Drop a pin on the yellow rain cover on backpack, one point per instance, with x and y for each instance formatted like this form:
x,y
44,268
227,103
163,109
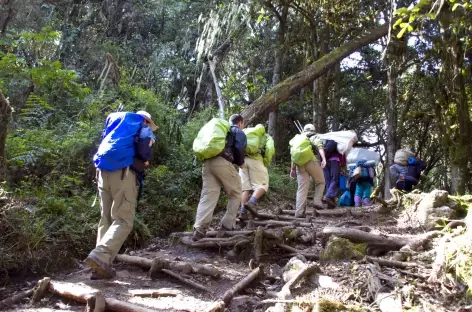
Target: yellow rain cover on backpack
x,y
269,149
211,139
301,151
254,136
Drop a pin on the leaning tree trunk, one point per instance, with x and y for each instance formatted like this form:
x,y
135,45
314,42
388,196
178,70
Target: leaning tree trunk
x,y
278,61
293,84
5,117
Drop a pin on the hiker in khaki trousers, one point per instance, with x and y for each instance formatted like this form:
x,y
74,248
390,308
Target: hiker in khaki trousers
x,y
220,171
118,188
312,169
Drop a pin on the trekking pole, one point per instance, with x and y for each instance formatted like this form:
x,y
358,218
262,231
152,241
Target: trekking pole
x,y
296,125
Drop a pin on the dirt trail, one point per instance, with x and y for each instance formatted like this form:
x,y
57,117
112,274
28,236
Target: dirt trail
x,y
343,281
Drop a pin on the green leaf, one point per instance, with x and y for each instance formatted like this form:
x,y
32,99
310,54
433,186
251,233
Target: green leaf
x,y
410,28
259,19
400,34
401,11
454,7
398,22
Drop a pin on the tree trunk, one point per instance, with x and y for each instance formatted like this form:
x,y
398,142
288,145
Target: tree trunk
x,y
336,104
391,114
463,119
5,117
278,61
282,91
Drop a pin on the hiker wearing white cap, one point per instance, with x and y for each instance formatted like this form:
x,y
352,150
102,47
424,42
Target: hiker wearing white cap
x,y
121,158
310,166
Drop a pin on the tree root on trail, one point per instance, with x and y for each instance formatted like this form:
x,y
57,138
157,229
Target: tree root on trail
x,y
354,212
392,263
220,305
163,263
92,297
381,294
295,251
372,240
185,281
285,293
154,293
13,299
216,242
286,223
258,239
271,234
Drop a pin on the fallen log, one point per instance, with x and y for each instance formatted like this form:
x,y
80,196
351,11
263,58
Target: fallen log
x,y
220,305
185,281
381,294
15,298
392,263
216,242
179,266
40,289
92,297
154,293
372,240
120,306
295,251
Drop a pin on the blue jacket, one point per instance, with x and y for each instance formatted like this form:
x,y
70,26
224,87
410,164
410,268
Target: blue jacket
x,y
235,149
409,172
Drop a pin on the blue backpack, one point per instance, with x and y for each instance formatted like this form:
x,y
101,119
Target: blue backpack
x,y
116,151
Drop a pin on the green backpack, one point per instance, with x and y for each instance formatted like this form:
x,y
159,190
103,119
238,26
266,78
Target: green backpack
x,y
211,139
254,136
301,150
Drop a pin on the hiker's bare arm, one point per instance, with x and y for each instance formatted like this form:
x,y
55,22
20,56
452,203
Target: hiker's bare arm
x,y
323,157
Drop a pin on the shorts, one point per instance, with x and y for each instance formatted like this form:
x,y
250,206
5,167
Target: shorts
x,y
254,176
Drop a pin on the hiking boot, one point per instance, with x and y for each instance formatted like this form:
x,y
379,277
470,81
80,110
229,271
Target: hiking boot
x,y
330,202
222,230
197,235
94,275
251,208
104,270
243,215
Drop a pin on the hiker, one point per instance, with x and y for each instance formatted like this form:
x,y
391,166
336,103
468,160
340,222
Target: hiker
x,y
406,170
121,158
363,175
306,164
219,171
254,176
332,172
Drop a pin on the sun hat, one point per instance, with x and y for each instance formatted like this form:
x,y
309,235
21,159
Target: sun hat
x,y
147,116
309,128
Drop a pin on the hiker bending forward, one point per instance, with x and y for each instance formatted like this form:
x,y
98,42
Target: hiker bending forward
x,y
217,172
254,176
311,169
120,161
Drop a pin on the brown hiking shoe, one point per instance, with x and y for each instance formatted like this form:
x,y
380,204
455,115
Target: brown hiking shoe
x,y
104,270
330,202
197,235
94,275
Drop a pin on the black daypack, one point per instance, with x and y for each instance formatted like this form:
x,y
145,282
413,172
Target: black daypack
x,y
330,147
